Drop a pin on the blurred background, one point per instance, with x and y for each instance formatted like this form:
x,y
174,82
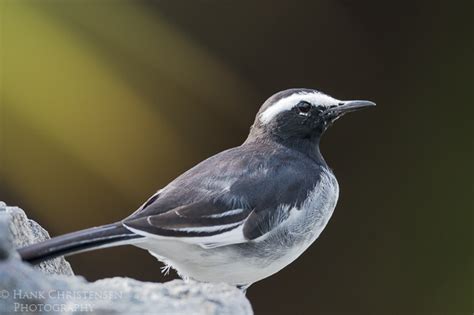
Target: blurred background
x,y
104,102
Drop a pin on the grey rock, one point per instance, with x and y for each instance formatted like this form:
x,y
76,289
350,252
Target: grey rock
x,y
25,232
53,290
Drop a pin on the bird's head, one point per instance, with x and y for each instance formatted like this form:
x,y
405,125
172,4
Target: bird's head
x,y
300,114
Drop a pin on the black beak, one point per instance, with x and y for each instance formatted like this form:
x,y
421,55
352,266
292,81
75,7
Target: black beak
x,y
348,106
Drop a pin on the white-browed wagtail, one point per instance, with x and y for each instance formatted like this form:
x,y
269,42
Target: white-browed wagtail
x,y
243,214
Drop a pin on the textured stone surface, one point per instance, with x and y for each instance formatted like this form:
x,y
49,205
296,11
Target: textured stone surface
x,y
24,289
25,232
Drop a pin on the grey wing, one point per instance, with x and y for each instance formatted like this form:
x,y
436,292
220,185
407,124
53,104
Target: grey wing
x,y
213,207
206,223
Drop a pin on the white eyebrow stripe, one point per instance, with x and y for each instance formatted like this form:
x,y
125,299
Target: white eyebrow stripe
x,y
289,102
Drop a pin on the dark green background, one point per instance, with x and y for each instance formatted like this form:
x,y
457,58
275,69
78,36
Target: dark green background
x,y
400,240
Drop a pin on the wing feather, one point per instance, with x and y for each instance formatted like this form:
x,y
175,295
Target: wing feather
x,y
194,223
232,197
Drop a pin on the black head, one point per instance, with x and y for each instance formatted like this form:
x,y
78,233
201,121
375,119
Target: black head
x,y
297,115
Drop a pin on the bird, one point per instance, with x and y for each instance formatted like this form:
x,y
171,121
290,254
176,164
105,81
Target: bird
x,y
241,215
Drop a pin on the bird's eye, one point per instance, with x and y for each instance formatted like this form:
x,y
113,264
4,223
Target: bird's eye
x,y
304,107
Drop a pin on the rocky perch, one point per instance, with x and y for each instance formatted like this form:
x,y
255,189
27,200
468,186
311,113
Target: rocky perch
x,y
52,287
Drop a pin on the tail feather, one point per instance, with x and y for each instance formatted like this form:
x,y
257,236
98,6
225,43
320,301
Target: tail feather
x,y
85,240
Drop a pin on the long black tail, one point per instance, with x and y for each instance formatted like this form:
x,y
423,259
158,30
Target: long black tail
x,y
85,240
